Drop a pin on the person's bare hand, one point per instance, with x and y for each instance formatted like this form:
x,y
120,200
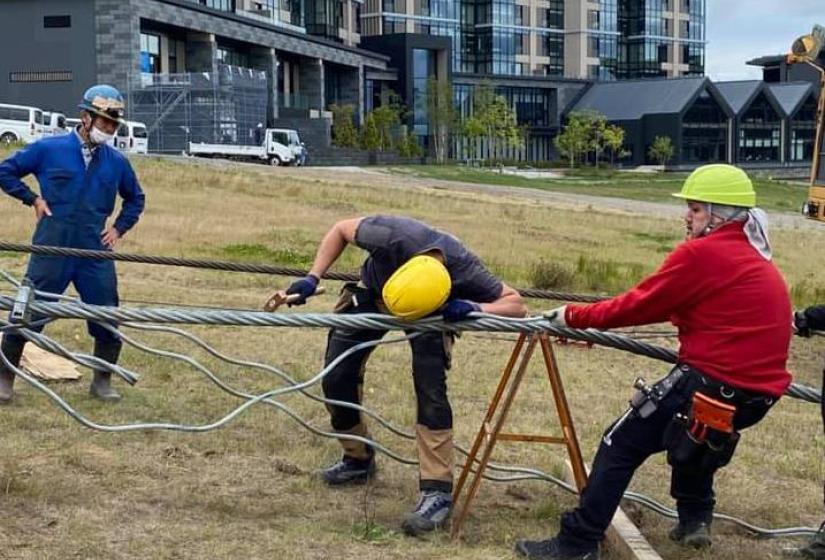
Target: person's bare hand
x,y
110,237
41,208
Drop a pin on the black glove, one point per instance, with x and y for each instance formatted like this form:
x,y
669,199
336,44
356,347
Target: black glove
x,y
458,309
304,287
800,324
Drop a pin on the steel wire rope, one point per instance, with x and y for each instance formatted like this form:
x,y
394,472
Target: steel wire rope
x,y
525,474
230,266
476,322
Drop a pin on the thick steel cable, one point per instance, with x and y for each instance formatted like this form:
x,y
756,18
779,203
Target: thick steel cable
x,y
522,473
241,267
476,322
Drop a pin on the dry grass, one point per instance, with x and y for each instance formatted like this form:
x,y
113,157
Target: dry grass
x,y
246,491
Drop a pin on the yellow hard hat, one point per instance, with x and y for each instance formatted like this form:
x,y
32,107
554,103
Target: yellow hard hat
x,y
418,288
719,183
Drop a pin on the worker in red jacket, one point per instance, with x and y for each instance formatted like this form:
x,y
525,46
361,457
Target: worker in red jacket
x,y
732,309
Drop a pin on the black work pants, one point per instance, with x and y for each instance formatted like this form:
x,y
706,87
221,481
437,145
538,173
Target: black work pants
x,y
430,362
635,441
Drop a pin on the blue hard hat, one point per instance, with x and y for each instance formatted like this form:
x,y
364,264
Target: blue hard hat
x,y
104,101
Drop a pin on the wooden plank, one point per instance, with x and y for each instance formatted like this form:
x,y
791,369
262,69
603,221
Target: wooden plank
x,y
48,367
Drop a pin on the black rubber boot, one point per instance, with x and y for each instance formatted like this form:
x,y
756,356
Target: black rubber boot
x,y
692,535
13,350
101,387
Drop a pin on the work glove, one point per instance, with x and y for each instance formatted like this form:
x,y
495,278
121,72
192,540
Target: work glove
x,y
458,309
556,316
800,324
304,287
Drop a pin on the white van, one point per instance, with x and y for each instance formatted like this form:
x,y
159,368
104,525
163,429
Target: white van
x,y
132,138
19,123
54,124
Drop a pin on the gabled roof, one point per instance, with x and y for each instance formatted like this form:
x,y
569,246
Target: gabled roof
x,y
739,94
790,95
630,100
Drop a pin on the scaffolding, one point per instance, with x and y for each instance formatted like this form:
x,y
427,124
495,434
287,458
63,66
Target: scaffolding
x,y
220,108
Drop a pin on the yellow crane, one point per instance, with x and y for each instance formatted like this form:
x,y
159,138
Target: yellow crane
x,y
806,50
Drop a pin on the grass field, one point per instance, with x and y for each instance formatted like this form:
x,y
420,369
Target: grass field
x,y
246,491
773,195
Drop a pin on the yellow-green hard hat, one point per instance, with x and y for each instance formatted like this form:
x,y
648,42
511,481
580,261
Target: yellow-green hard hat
x,y
719,183
418,288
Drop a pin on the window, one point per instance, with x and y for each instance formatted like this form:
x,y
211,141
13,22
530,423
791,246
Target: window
x,y
662,53
150,53
280,138
592,19
139,132
52,22
12,114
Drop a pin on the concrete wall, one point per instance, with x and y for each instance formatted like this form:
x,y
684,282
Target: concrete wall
x,y
30,47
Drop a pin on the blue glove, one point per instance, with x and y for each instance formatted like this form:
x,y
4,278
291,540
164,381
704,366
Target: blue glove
x,y
458,309
304,287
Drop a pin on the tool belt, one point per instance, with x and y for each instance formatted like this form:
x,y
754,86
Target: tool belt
x,y
703,435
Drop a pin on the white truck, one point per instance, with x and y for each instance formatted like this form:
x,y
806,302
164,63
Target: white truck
x,y
278,148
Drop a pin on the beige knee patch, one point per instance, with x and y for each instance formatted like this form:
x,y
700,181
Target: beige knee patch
x,y
435,453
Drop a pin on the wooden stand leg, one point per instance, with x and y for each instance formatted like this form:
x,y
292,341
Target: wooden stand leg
x,y
490,431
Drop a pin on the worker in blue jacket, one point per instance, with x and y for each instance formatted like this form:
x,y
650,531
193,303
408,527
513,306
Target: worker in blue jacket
x,y
80,176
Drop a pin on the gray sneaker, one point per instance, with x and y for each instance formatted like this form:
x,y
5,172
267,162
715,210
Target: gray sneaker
x,y
431,513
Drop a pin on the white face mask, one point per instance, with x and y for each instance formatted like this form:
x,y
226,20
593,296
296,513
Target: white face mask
x,y
97,136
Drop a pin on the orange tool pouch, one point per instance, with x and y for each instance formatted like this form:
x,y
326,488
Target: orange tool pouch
x,y
704,438
709,414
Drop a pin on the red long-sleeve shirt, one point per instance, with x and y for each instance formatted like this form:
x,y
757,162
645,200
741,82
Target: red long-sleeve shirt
x,y
731,307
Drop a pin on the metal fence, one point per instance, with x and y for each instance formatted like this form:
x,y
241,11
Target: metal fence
x,y
223,107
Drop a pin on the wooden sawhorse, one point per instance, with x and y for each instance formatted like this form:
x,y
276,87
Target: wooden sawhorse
x,y
490,431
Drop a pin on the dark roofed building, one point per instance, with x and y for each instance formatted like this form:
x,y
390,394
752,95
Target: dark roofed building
x,y
776,69
690,111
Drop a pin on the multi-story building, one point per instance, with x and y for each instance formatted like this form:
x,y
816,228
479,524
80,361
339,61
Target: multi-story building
x,y
213,69
661,38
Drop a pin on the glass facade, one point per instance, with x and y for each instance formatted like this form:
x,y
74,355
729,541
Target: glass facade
x,y
802,132
535,108
498,38
603,40
424,67
150,53
759,133
704,132
653,35
324,18
233,57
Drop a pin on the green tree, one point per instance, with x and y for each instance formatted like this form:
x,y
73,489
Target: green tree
x,y
370,136
494,120
344,133
409,147
441,116
661,150
388,117
574,140
613,138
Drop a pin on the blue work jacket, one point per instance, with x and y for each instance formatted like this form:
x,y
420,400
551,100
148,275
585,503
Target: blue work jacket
x,y
80,198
